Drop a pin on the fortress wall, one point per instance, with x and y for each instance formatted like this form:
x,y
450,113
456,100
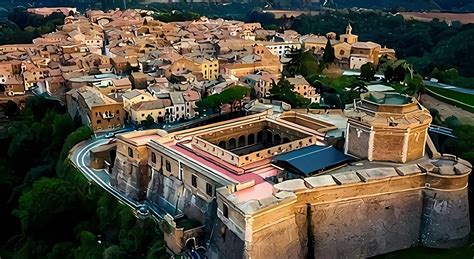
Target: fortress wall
x,y
366,226
225,244
287,238
131,179
445,222
363,219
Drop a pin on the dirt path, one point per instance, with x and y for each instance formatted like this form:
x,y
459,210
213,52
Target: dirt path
x,y
446,110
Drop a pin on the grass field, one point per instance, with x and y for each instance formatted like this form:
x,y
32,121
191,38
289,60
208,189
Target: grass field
x,y
461,97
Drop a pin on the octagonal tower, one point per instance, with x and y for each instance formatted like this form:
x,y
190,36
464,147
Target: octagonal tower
x,y
387,127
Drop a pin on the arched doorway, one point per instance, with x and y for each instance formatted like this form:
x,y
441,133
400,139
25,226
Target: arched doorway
x,y
222,144
241,141
232,143
277,139
251,139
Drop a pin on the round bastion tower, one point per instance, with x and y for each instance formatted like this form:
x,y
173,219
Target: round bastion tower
x,y
392,128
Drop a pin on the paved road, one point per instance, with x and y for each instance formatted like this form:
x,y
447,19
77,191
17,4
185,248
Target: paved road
x,y
80,158
450,87
427,82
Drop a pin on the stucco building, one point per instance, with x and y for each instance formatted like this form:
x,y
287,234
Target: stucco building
x,y
95,109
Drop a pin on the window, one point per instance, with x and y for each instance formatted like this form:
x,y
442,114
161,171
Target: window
x,y
209,189
194,181
168,166
99,121
225,210
130,152
118,112
153,157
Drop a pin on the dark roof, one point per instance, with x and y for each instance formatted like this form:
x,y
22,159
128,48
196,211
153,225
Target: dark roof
x,y
309,160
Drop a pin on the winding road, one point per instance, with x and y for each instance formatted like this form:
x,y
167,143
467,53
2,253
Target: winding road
x,y
80,158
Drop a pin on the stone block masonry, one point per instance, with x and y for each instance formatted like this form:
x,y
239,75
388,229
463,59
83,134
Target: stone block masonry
x,y
399,208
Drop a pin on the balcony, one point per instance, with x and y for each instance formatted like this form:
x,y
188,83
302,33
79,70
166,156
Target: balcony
x,y
108,115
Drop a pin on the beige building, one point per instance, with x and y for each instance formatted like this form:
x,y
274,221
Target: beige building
x,y
14,86
263,60
348,37
261,83
141,110
303,88
208,68
133,97
95,109
364,52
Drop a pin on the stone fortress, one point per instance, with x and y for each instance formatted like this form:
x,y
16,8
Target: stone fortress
x,y
242,186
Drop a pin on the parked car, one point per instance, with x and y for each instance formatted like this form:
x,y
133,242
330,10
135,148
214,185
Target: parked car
x,y
109,135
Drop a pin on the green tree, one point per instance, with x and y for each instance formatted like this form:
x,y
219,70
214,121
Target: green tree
x,y
62,250
302,63
333,101
367,71
416,85
148,122
232,96
328,55
284,91
90,246
43,208
11,109
114,252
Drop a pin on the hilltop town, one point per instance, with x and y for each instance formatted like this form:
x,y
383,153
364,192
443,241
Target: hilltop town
x,y
214,128
119,67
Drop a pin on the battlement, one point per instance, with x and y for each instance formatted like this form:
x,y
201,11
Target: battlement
x,y
286,198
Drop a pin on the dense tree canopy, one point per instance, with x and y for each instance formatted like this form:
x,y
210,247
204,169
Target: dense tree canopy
x,y
425,44
23,27
231,96
49,210
283,91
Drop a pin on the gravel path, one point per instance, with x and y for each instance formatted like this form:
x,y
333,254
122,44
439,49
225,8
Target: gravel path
x,y
446,110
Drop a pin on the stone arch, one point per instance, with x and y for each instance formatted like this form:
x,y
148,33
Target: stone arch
x,y
222,144
241,141
251,139
191,243
277,139
231,144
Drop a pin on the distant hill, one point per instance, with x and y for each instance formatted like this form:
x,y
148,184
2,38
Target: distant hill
x,y
418,5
